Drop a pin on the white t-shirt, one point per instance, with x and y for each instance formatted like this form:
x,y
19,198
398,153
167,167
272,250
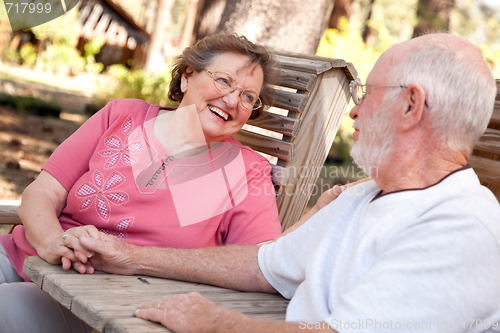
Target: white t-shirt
x,y
425,260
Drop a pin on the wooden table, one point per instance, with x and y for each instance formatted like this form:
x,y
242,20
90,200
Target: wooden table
x,y
107,301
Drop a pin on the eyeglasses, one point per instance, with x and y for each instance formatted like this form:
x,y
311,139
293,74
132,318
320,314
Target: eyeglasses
x,y
225,84
358,90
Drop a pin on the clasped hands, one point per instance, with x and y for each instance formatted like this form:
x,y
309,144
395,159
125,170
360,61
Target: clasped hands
x,y
68,248
86,249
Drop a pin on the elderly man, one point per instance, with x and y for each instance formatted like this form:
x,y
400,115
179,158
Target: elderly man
x,y
417,247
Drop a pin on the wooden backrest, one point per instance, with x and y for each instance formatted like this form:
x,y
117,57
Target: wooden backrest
x,y
8,215
485,158
298,131
296,134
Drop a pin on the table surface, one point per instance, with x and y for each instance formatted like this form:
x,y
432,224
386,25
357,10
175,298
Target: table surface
x,y
107,301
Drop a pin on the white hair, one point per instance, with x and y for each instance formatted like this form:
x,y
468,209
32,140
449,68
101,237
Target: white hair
x,y
460,90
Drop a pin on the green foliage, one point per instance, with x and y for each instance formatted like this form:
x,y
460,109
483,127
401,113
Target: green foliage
x,y
178,17
479,24
393,22
60,30
492,57
62,55
347,44
138,84
11,56
93,47
28,54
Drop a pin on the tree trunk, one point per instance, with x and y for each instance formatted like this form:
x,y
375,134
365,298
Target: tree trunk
x,y
368,33
39,58
342,8
292,25
208,18
191,16
433,15
155,60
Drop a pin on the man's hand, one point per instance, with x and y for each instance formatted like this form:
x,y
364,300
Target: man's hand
x,y
110,254
79,256
186,313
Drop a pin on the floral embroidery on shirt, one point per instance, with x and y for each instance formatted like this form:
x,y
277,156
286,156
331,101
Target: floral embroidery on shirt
x,y
117,150
128,125
120,227
102,193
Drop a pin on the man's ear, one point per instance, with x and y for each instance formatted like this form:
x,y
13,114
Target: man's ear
x,y
415,100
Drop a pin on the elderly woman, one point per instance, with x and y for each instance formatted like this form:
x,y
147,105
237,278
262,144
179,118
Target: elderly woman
x,y
150,175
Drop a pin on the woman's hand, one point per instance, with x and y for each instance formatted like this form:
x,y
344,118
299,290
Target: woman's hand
x,y
55,250
79,259
183,313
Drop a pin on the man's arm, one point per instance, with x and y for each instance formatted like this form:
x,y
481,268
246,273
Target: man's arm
x,y
234,266
193,313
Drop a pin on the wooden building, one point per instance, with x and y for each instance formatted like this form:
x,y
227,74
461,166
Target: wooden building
x,y
125,39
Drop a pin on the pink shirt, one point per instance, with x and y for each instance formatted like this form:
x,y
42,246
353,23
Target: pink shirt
x,y
107,166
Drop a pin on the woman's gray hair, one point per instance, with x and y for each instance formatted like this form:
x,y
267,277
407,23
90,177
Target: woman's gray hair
x,y
459,91
203,52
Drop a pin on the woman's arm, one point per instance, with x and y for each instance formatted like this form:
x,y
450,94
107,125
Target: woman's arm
x,y
42,203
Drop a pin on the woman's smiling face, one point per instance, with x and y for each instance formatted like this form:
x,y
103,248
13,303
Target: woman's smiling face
x,y
221,116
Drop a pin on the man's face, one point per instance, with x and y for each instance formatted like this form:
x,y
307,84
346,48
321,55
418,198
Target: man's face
x,y
376,139
374,131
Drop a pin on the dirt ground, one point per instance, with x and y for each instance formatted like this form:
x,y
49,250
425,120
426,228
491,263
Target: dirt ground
x,y
26,141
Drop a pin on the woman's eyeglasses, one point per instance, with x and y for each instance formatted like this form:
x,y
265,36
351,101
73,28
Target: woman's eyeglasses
x,y
225,84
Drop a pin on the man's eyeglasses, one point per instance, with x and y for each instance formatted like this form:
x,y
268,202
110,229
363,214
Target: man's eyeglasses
x,y
358,90
225,84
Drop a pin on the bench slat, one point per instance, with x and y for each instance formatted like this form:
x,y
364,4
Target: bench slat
x,y
485,168
290,101
8,212
304,65
265,144
495,117
277,123
297,80
489,142
347,67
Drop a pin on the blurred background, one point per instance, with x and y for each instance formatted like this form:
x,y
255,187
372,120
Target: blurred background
x,y
54,76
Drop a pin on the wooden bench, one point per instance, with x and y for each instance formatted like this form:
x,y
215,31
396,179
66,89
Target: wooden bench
x,y
485,158
297,133
8,213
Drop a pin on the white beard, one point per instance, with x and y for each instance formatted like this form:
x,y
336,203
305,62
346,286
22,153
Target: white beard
x,y
376,140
